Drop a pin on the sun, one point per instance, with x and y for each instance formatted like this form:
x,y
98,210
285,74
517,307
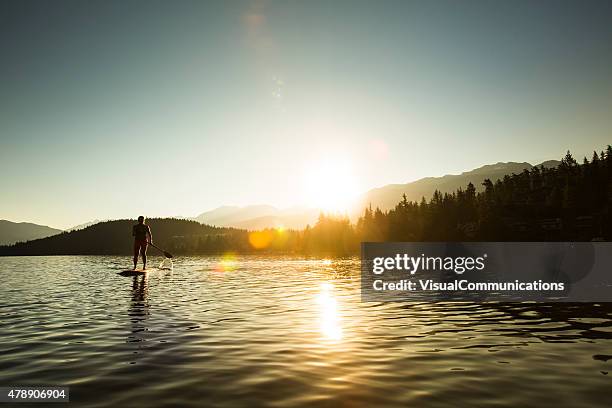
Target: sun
x,y
330,184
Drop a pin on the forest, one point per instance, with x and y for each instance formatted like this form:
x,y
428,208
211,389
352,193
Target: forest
x,y
570,202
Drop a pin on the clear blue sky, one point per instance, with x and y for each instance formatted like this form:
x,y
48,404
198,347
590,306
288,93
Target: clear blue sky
x,y
113,109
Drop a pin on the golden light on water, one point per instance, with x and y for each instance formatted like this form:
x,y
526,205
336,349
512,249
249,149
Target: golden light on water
x,y
228,262
329,316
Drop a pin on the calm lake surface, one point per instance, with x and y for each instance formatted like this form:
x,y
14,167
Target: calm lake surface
x,y
284,332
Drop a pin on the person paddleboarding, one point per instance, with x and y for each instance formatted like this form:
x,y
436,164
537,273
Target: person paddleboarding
x,y
142,237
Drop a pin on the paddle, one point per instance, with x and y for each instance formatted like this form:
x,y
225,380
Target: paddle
x,y
166,254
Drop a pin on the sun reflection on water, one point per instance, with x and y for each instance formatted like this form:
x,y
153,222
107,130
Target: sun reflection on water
x,y
330,322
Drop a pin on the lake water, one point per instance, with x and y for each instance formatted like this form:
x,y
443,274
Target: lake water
x,y
251,331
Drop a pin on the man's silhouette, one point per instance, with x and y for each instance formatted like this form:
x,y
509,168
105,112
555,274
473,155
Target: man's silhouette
x,y
142,237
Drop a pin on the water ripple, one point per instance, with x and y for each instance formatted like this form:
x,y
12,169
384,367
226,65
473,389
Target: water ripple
x,y
285,332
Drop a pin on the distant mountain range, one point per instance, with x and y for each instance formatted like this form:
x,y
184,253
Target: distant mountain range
x,y
388,196
11,232
256,217
85,225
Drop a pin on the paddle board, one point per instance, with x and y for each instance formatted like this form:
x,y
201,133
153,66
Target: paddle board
x,y
134,272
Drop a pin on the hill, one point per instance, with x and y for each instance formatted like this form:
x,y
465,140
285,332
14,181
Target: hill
x,y
115,238
11,232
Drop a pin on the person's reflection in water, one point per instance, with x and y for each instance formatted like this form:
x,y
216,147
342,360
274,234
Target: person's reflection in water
x,y
138,311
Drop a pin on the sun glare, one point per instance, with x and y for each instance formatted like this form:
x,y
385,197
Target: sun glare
x,y
330,185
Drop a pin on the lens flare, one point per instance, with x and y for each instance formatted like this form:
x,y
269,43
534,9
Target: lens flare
x,y
261,239
227,263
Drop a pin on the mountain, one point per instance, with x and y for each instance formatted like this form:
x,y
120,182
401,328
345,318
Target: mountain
x,y
11,232
290,220
228,215
259,217
85,225
388,196
256,217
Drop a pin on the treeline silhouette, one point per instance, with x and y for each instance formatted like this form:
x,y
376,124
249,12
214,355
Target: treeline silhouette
x,y
115,238
570,202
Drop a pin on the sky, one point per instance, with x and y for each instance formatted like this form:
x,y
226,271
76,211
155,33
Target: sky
x,y
112,109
